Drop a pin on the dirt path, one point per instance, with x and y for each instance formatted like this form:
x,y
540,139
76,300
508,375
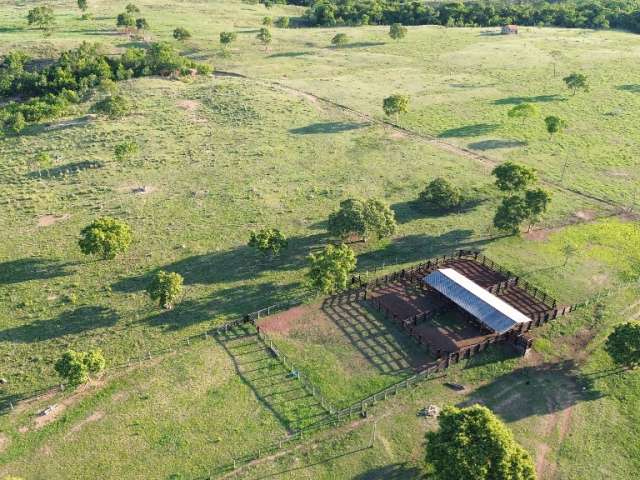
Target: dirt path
x,y
405,132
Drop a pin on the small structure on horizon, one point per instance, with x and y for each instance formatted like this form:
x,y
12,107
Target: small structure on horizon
x,y
509,29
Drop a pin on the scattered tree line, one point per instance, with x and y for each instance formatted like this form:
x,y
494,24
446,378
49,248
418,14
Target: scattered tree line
x,y
597,14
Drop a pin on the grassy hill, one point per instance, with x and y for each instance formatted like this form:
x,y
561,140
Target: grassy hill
x,y
282,146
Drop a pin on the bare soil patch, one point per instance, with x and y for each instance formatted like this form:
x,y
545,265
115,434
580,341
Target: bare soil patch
x,y
585,215
48,220
4,442
94,417
188,105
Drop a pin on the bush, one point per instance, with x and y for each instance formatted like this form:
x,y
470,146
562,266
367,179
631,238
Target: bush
x,y
124,150
114,106
340,40
165,287
623,344
330,269
125,20
181,34
105,237
16,123
282,22
440,195
268,241
75,367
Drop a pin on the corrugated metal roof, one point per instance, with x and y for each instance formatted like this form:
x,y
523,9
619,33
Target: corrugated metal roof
x,y
471,297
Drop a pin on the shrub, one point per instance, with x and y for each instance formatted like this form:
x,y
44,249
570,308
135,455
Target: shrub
x,y
124,150
126,20
165,287
440,195
181,34
75,367
282,22
105,237
340,40
114,106
268,241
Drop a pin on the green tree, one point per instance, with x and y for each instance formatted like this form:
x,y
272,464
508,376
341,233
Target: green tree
x,y
282,22
441,195
397,31
75,367
537,202
16,122
576,81
226,38
269,241
357,218
340,40
510,214
267,21
522,111
42,17
125,20
395,105
114,106
142,24
165,288
264,36
83,5
472,443
131,8
554,125
513,177
105,237
568,250
623,344
330,269
181,34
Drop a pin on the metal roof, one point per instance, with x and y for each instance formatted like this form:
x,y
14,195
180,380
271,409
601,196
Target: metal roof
x,y
495,313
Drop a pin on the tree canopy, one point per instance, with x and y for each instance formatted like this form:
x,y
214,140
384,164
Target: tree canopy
x,y
269,241
227,37
397,31
472,443
329,270
623,344
105,237
395,104
264,36
441,195
340,40
165,288
512,177
510,214
126,20
42,17
522,111
554,124
181,34
83,5
75,367
358,218
576,81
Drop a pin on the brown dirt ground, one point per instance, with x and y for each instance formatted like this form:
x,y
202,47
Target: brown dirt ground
x,y
48,220
4,442
94,417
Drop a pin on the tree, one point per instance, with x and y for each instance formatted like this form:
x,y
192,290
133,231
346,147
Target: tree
x,y
114,106
522,111
131,8
42,17
267,21
165,287
576,81
397,31
623,344
75,367
537,201
330,269
512,177
472,443
181,34
105,237
282,22
264,36
510,214
83,5
340,40
16,122
362,218
395,105
269,241
142,24
554,124
441,195
126,20
227,38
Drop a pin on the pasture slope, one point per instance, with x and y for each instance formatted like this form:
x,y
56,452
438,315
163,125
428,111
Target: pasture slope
x,y
282,146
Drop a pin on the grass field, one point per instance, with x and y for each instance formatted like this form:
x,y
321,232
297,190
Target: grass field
x,y
221,156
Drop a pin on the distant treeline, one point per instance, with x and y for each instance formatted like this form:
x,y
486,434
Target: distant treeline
x,y
621,14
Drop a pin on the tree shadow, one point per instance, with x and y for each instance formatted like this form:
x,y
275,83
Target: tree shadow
x,y
5,29
73,322
26,269
328,127
633,88
470,130
495,144
288,54
396,471
413,209
418,247
359,45
68,169
535,391
535,99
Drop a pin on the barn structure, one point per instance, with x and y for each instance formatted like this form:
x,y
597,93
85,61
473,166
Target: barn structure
x,y
459,304
509,29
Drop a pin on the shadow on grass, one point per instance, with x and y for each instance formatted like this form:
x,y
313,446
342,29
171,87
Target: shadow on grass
x,y
413,209
535,391
72,322
358,45
396,471
495,144
328,127
26,269
288,54
68,169
535,99
470,130
633,88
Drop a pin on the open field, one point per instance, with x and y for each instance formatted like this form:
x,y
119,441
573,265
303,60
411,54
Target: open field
x,y
221,156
